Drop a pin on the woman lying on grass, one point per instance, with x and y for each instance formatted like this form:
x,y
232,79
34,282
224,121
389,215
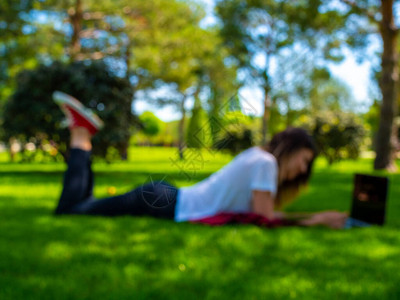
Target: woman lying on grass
x,y
258,180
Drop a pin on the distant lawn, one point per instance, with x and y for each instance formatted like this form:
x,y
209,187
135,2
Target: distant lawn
x,y
80,257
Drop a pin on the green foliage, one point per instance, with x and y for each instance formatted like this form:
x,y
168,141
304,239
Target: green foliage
x,y
151,124
276,121
164,39
236,133
316,90
338,135
221,80
236,118
372,121
266,29
330,94
31,114
15,47
235,138
250,28
25,41
198,134
168,135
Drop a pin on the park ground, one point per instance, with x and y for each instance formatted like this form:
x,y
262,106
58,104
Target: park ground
x,y
81,257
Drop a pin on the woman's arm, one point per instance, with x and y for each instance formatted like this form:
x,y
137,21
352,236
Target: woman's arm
x,y
332,219
263,204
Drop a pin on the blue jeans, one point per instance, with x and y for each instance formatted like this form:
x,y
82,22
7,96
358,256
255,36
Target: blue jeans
x,y
156,199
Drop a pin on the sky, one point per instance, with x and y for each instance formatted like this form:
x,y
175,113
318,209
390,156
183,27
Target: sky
x,y
356,75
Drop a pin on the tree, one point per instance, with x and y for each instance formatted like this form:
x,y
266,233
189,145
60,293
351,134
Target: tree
x,y
154,40
242,23
92,23
386,133
381,15
180,66
94,84
198,132
149,41
218,78
250,27
329,93
16,47
257,31
300,86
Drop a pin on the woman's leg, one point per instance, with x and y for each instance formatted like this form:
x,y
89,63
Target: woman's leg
x,y
77,186
156,199
78,179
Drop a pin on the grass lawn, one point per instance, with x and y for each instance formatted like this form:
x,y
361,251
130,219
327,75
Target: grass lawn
x,y
81,257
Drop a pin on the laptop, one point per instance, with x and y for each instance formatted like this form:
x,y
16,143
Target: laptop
x,y
369,201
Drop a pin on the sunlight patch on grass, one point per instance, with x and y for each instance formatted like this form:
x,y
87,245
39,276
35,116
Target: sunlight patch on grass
x,y
86,257
58,251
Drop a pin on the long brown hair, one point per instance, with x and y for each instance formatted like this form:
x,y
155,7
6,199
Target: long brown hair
x,y
283,145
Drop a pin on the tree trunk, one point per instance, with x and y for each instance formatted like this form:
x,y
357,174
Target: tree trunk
x,y
289,114
128,58
265,118
388,85
181,129
76,15
123,150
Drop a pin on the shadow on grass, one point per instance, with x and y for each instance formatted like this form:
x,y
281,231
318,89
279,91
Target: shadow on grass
x,y
89,257
70,257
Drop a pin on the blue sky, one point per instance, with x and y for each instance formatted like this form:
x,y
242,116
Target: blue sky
x,y
355,75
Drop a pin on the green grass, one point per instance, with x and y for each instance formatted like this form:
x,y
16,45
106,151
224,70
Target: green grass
x,y
81,257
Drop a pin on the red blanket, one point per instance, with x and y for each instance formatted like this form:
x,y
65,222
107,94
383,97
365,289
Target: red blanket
x,y
242,218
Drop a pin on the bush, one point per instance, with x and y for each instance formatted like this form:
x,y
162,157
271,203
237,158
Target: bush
x,y
235,138
338,135
236,133
151,125
31,115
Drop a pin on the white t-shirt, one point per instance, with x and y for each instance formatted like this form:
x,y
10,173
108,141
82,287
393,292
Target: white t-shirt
x,y
230,188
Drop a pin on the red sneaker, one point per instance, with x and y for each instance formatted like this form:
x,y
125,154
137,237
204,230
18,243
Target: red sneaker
x,y
77,114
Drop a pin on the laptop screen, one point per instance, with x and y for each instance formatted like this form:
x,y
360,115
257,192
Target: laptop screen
x,y
369,199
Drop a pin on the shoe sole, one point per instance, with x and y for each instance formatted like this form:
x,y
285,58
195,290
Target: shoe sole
x,y
64,99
